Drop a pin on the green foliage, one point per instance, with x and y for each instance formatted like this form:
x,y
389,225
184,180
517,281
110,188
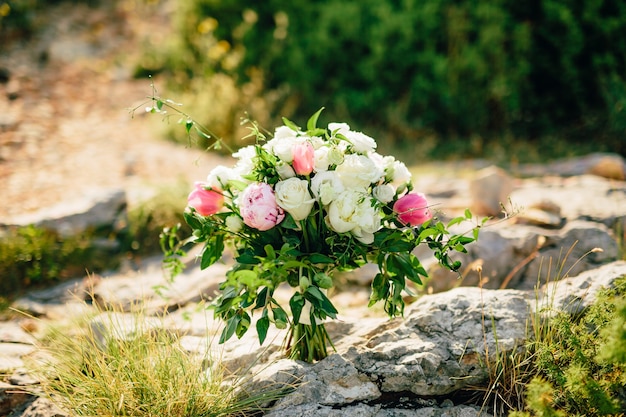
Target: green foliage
x,y
147,219
35,256
580,361
32,256
418,69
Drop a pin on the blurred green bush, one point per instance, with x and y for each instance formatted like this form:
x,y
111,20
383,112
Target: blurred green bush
x,y
414,70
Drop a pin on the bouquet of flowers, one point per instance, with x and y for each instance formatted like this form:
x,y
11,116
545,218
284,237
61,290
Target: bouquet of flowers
x,y
300,206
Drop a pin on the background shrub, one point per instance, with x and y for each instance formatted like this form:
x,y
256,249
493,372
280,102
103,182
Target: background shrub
x,y
474,73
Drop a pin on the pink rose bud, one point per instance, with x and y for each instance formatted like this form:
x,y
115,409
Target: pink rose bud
x,y
303,158
205,202
412,209
258,207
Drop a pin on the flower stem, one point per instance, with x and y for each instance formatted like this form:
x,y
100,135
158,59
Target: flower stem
x,y
309,342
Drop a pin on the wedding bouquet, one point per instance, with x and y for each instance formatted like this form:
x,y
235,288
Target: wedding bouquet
x,y
297,208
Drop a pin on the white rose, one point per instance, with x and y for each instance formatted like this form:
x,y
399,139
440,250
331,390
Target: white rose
x,y
321,159
338,128
234,223
342,212
285,170
219,177
326,186
401,174
282,132
358,171
294,197
361,143
352,211
281,147
245,163
368,222
384,193
316,141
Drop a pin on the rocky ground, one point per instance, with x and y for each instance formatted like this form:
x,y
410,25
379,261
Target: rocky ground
x,y
65,133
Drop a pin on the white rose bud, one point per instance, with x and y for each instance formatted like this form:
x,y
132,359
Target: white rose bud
x,y
335,156
293,196
285,170
401,174
321,159
234,223
384,193
219,177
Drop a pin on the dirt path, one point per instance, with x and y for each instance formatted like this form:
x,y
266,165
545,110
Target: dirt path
x,y
64,121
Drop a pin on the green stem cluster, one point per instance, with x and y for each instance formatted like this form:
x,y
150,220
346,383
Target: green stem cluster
x,y
308,342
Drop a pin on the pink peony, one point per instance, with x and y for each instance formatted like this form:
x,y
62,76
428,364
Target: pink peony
x,y
206,202
412,209
303,158
258,207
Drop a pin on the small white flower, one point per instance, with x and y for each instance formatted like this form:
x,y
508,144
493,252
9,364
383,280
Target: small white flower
x,y
361,143
219,177
321,159
384,193
326,186
234,223
400,174
285,170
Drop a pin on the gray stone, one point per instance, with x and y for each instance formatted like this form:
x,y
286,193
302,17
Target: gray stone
x,y
99,208
490,190
39,407
577,293
524,256
608,165
584,197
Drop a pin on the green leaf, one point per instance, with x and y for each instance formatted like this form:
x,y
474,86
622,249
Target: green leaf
x,y
280,317
261,298
296,303
291,125
315,292
468,214
243,325
212,251
312,122
229,330
318,258
323,280
262,325
456,220
245,277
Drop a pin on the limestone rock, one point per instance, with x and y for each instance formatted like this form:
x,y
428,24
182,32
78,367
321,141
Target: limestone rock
x,y
490,190
521,256
100,208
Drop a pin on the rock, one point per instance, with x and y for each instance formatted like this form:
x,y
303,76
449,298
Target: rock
x,y
577,293
100,208
579,198
607,165
521,256
11,397
489,191
39,407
